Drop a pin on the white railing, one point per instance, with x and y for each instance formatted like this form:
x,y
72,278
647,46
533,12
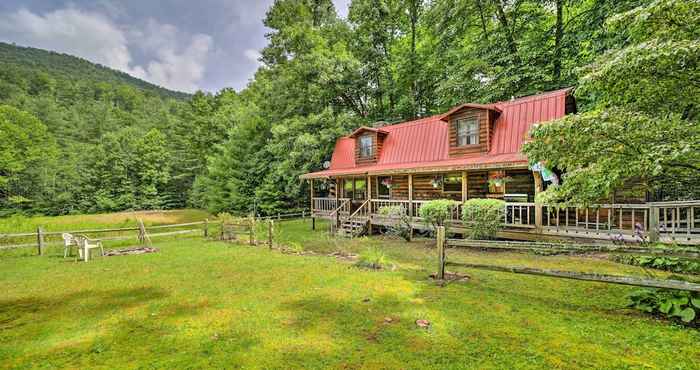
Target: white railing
x,y
361,213
520,215
325,206
667,221
343,209
377,205
676,221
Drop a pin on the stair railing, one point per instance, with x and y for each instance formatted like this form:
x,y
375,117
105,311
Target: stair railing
x,y
361,213
335,215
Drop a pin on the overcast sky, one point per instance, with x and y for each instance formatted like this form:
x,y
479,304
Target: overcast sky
x,y
179,44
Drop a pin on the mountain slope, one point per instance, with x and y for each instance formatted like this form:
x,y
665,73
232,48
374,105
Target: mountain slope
x,y
68,66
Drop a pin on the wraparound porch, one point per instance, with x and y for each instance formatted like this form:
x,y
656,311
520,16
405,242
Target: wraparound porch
x,y
669,222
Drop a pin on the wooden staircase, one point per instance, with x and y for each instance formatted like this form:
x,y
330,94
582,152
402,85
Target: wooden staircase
x,y
352,228
356,224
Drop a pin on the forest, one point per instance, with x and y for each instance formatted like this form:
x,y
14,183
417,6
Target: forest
x,y
81,138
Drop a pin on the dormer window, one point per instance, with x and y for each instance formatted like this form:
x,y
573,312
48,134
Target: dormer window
x,y
366,146
467,131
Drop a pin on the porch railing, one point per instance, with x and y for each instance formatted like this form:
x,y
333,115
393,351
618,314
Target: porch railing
x,y
520,215
667,221
325,206
344,208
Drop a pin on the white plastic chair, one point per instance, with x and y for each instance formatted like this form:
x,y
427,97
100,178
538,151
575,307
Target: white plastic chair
x,y
68,242
85,244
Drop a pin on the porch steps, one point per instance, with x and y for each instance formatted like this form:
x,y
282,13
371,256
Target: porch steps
x,y
352,228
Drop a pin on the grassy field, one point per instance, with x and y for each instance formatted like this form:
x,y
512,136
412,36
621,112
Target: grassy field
x,y
205,304
20,224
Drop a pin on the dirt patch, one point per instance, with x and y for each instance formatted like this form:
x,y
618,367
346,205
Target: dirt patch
x,y
129,251
450,277
349,257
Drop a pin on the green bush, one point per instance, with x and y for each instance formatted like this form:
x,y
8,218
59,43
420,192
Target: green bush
x,y
373,258
672,304
673,264
484,217
436,212
400,223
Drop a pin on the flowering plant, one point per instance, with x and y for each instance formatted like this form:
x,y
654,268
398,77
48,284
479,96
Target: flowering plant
x,y
387,182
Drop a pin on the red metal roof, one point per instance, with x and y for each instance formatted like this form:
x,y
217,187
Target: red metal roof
x,y
423,143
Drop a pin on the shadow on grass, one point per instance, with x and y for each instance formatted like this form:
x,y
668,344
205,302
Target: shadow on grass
x,y
89,303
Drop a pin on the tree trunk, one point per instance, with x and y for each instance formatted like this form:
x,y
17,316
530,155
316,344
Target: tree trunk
x,y
413,14
505,24
480,6
558,35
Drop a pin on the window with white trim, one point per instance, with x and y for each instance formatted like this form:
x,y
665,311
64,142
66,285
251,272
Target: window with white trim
x,y
365,146
467,131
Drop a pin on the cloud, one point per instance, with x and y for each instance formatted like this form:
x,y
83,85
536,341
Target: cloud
x,y
172,58
252,55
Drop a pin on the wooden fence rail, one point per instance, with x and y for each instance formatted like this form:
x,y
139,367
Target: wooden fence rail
x,y
42,237
686,252
443,243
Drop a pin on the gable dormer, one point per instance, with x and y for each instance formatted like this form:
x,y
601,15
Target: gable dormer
x,y
470,127
368,144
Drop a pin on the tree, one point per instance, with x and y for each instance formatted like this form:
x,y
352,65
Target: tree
x,y
643,124
27,152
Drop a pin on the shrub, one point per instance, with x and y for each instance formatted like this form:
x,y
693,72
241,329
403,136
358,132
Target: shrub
x,y
373,258
673,264
436,212
401,224
671,304
484,217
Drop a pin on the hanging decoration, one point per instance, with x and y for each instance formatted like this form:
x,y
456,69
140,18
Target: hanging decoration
x,y
436,182
497,181
547,174
387,182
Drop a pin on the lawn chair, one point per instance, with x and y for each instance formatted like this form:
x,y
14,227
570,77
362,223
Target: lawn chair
x,y
85,244
68,243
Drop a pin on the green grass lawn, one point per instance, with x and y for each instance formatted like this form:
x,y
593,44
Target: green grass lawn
x,y
205,304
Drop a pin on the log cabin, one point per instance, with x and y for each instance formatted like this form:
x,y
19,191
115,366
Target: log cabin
x,y
474,151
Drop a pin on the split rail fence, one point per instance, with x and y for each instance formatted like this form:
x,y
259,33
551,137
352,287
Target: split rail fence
x,y
443,243
41,239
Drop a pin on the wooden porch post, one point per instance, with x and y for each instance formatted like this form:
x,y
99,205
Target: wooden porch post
x,y
410,204
313,219
465,187
369,205
538,207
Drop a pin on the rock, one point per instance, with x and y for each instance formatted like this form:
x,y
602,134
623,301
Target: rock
x,y
423,323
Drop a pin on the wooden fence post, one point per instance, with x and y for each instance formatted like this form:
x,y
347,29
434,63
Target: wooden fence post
x,y
206,227
144,239
270,231
40,239
441,252
653,224
251,221
303,214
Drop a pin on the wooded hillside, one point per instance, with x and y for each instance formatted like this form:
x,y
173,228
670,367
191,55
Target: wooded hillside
x,y
112,142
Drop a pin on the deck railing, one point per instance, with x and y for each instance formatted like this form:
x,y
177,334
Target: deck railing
x,y
325,206
520,215
667,221
377,205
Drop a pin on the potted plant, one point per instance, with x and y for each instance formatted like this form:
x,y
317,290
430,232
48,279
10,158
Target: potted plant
x,y
497,181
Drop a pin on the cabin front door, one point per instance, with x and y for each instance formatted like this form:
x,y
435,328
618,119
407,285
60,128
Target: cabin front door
x,y
356,190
